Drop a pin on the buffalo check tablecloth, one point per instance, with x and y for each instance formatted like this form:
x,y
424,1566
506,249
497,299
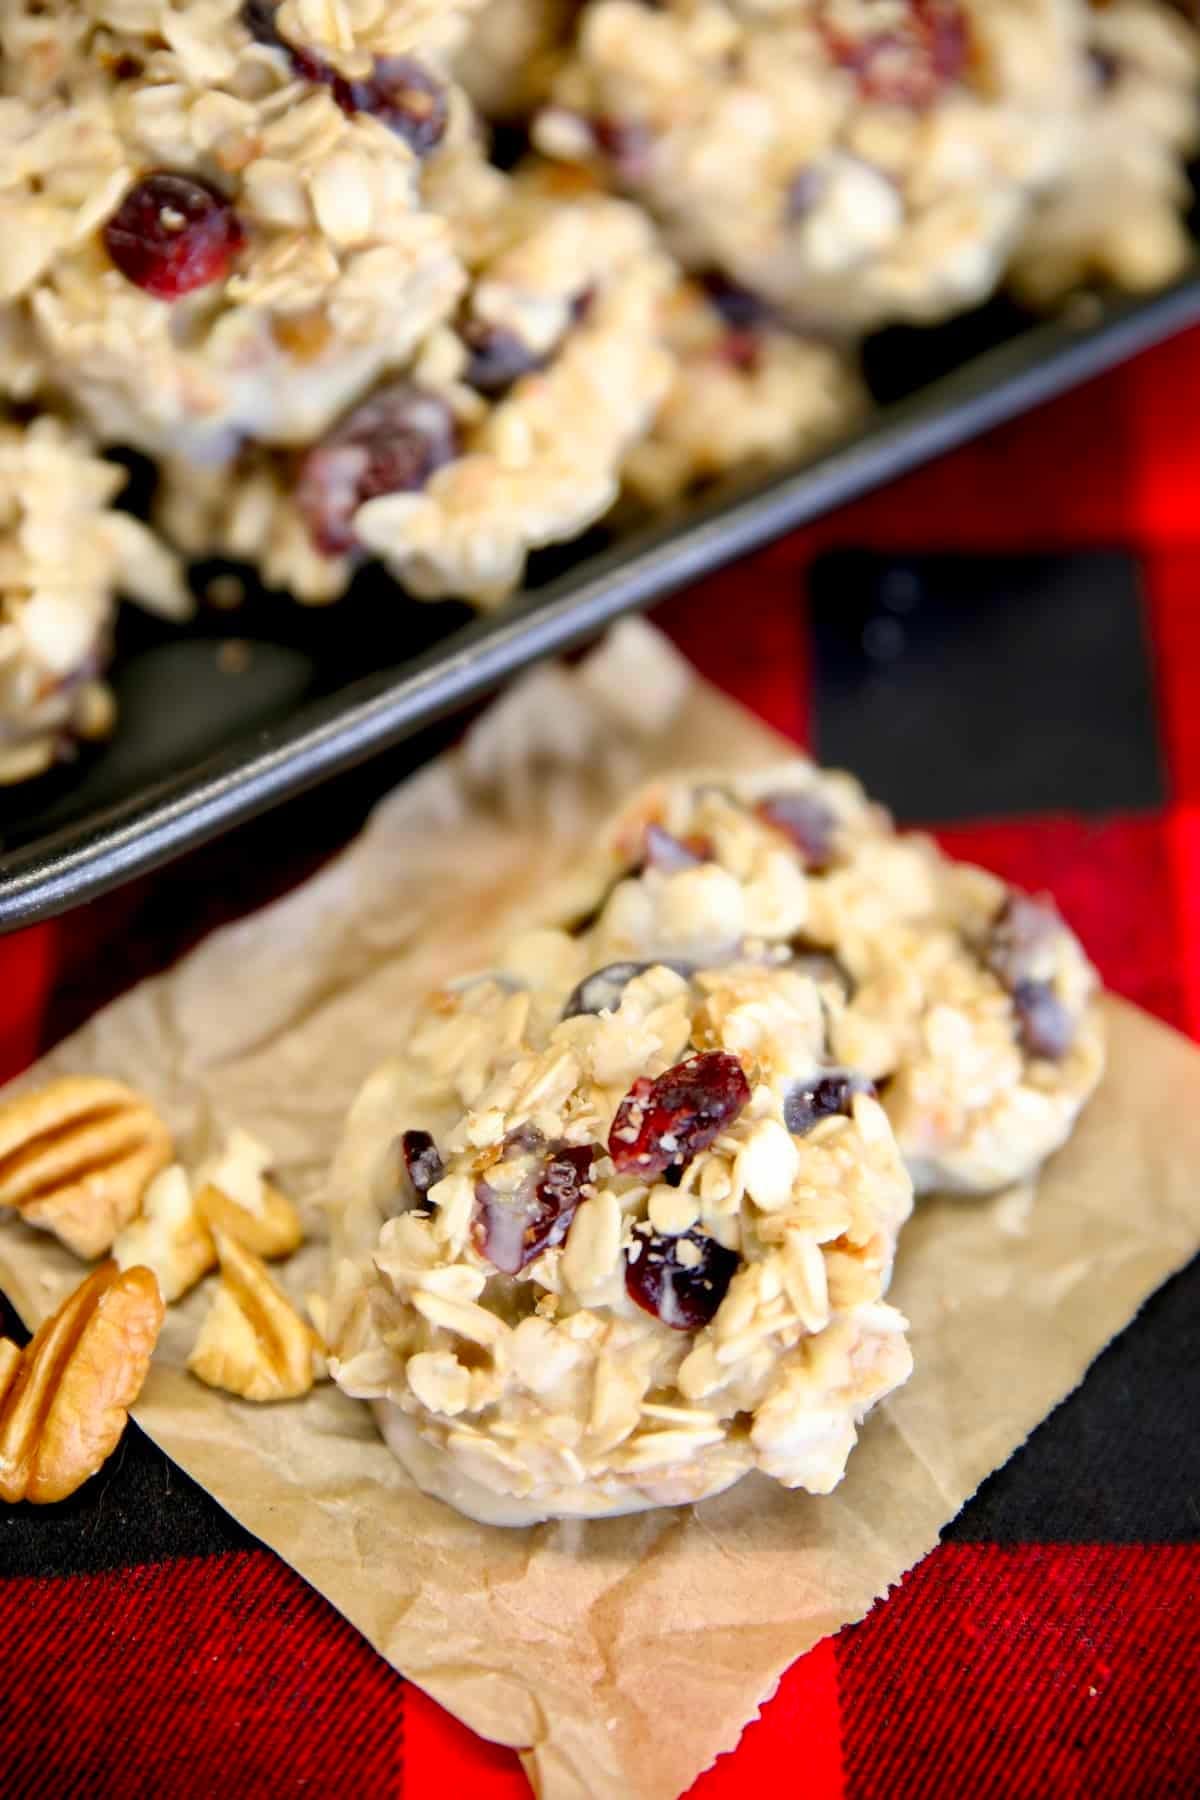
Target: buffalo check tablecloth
x,y
1006,646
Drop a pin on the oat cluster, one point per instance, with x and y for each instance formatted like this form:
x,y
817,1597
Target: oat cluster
x,y
287,249
637,1189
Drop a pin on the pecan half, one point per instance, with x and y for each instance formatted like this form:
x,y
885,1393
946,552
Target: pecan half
x,y
253,1342
76,1157
65,1398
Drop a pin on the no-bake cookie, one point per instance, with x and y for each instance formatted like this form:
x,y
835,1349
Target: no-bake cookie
x,y
853,162
969,1004
65,554
624,1261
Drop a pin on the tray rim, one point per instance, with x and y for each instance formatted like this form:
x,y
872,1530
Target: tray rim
x,y
81,861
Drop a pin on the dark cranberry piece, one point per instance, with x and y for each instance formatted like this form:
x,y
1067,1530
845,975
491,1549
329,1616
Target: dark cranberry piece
x,y
258,16
401,95
512,1229
741,308
602,990
626,143
1020,932
813,1101
683,1297
807,821
908,63
1044,1025
398,91
804,191
391,444
497,357
172,234
422,1161
1105,68
672,854
672,1119
740,350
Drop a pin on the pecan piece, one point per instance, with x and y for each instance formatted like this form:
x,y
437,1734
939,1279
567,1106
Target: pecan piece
x,y
253,1342
76,1157
273,1230
66,1396
168,1236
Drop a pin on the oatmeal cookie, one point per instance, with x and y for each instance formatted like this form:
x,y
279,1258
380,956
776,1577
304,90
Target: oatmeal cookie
x,y
1118,213
507,432
624,1261
215,224
746,393
64,556
971,1006
851,161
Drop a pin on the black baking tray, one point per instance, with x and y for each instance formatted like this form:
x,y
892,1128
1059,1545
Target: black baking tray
x,y
237,712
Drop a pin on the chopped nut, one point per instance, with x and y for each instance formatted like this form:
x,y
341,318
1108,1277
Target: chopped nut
x,y
76,1157
274,1232
168,1237
253,1342
10,1360
234,1196
64,1400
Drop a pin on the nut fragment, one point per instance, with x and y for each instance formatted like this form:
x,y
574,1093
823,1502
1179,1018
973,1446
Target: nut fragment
x,y
234,1196
273,1231
65,1398
76,1157
253,1342
169,1236
10,1361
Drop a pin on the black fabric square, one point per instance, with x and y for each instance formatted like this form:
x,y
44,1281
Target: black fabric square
x,y
970,687
1119,1462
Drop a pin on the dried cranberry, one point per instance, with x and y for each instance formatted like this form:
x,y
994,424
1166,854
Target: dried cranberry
x,y
1105,68
422,1161
670,854
512,1229
1044,1025
258,16
401,95
173,234
497,357
398,91
806,820
741,350
682,1296
602,990
739,307
672,1119
626,143
803,193
908,63
1021,930
812,1101
391,444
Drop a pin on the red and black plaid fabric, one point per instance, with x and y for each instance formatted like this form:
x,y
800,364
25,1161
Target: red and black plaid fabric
x,y
1006,646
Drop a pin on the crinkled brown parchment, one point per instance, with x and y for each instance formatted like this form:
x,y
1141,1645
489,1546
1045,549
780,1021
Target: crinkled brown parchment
x,y
619,1656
